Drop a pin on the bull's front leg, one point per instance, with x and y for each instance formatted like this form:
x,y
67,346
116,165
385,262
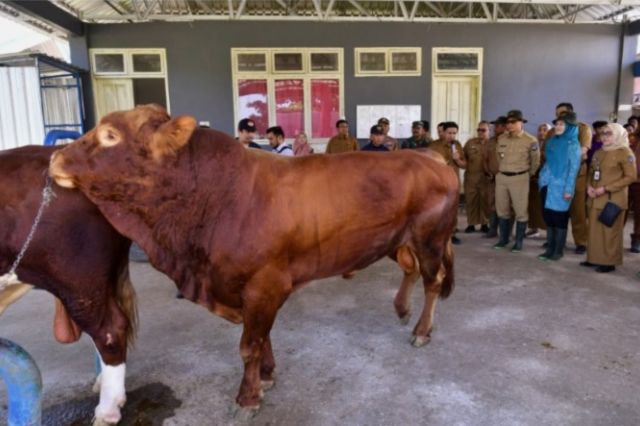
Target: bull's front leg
x,y
263,295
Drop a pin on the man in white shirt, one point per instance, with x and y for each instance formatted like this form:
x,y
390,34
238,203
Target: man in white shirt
x,y
275,135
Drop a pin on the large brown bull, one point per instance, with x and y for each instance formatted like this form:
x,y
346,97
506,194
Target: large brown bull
x,y
77,256
238,230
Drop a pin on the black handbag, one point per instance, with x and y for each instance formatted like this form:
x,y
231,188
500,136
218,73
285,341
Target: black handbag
x,y
609,213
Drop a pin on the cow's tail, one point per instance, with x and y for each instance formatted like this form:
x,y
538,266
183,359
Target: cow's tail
x,y
126,298
448,282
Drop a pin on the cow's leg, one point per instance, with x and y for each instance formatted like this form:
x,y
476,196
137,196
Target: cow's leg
x,y
437,275
409,263
262,297
267,365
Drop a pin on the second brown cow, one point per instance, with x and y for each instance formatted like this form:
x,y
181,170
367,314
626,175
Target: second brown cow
x,y
238,230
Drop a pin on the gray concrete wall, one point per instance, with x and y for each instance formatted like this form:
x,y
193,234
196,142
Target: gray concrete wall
x,y
530,67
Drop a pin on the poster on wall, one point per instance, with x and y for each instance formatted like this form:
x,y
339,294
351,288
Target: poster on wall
x,y
400,118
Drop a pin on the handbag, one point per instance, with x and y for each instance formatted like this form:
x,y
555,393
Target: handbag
x,y
609,213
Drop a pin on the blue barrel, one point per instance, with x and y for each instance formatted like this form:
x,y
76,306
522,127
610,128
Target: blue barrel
x,y
54,135
24,384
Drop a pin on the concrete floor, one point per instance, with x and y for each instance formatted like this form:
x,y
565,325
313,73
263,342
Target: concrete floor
x,y
520,342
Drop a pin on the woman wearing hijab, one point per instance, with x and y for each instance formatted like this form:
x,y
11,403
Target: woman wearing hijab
x,y
612,169
301,145
557,182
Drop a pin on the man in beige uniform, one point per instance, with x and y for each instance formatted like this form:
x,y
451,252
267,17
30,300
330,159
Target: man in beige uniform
x,y
519,158
475,181
578,210
491,169
452,152
342,142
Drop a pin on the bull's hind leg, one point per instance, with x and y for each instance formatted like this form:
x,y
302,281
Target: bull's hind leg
x,y
409,263
263,295
437,275
267,366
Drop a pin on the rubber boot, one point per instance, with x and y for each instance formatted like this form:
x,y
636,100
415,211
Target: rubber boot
x,y
549,245
635,244
493,226
521,229
560,240
503,224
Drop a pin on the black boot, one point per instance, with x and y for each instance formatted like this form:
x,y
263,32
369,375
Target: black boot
x,y
635,244
493,226
549,245
560,240
503,224
521,228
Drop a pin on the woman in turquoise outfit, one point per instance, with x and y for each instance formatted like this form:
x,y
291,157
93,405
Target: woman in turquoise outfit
x,y
557,182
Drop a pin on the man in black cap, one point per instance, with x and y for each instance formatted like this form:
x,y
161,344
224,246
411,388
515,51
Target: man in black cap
x,y
390,142
420,136
376,140
518,159
491,169
246,133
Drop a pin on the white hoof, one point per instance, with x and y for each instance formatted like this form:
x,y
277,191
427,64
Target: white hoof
x,y
107,417
418,341
244,414
405,319
267,384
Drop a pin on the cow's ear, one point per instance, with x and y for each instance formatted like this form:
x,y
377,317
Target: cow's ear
x,y
108,135
172,135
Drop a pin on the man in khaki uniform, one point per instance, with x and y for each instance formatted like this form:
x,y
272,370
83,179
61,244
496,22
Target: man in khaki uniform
x,y
491,169
578,210
419,136
518,158
342,142
390,142
475,181
453,154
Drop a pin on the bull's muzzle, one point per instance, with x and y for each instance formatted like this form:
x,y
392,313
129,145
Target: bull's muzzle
x,y
57,172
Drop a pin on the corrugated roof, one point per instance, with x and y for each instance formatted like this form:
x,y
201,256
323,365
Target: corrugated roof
x,y
561,11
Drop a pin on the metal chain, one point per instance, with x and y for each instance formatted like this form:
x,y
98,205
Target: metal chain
x,y
47,196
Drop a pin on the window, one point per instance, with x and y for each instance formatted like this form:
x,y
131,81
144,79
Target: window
x,y
457,60
300,90
388,61
124,78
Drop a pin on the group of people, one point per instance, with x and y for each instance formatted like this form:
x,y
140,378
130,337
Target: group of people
x,y
567,172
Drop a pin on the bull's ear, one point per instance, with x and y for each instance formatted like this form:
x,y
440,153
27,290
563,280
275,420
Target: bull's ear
x,y
172,135
108,135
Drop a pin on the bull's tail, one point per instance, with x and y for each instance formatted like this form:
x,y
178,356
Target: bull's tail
x,y
126,299
448,282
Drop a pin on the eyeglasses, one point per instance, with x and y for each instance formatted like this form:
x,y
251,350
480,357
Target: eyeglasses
x,y
607,133
481,130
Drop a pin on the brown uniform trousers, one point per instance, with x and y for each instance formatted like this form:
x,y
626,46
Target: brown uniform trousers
x,y
518,157
491,169
535,199
444,149
578,209
338,144
617,171
475,182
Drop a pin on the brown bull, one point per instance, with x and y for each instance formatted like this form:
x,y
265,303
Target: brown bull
x,y
77,256
238,230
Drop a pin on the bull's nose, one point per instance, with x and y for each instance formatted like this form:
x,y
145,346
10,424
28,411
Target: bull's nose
x,y
57,173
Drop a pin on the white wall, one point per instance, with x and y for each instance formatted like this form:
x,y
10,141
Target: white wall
x,y
20,110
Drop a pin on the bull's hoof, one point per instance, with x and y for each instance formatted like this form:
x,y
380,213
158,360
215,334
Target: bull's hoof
x,y
348,275
404,319
102,422
244,414
267,384
419,341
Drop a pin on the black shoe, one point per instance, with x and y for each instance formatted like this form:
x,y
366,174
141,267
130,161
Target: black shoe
x,y
469,229
635,247
484,229
580,249
588,264
455,240
179,295
605,268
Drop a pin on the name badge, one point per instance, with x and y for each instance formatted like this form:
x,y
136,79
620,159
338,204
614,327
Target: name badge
x,y
596,175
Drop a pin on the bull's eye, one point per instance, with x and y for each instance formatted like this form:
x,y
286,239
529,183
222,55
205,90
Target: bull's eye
x,y
108,136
